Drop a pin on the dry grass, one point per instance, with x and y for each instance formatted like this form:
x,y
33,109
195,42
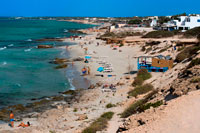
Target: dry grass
x,y
99,124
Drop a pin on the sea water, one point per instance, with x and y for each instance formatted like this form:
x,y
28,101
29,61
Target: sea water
x,y
25,71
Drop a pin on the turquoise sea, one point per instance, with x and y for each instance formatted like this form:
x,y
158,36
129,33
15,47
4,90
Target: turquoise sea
x,y
25,71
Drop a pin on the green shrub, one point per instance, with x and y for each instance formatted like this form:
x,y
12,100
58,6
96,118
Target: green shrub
x,y
180,48
164,49
75,110
143,74
107,115
137,81
140,90
148,105
110,105
192,32
187,52
121,45
158,34
136,107
195,80
99,124
194,63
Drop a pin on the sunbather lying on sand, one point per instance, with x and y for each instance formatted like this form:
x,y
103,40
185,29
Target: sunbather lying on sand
x,y
24,125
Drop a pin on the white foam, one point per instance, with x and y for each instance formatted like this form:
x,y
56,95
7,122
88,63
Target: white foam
x,y
4,63
3,48
28,50
10,45
29,40
65,30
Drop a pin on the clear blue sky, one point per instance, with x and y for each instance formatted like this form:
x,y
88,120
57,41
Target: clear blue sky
x,y
105,8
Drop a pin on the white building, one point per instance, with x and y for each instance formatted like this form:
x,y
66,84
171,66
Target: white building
x,y
153,22
183,23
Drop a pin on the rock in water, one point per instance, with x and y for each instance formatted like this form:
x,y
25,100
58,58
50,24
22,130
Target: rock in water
x,y
61,66
44,46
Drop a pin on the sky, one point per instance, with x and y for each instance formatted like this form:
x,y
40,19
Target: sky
x,y
97,8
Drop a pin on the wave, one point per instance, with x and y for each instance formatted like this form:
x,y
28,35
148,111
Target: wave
x,y
10,45
29,40
4,63
65,30
28,50
3,48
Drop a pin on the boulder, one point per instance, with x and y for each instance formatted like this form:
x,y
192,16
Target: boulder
x,y
91,87
59,61
61,66
44,46
82,117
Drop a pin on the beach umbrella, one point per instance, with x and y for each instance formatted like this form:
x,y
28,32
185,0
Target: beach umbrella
x,y
100,69
87,57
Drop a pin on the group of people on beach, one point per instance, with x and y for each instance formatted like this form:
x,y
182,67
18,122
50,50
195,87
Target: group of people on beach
x,y
20,125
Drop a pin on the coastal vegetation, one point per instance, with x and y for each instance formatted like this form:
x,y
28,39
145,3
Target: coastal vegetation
x,y
159,34
99,124
187,53
140,90
194,62
192,32
110,105
142,75
140,105
120,34
135,21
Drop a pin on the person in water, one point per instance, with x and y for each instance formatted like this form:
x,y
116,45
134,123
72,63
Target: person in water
x,y
24,125
12,119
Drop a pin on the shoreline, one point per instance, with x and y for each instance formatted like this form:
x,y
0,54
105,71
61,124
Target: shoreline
x,y
85,99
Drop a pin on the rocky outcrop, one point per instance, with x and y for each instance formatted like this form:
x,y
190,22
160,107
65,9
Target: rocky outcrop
x,y
44,46
188,80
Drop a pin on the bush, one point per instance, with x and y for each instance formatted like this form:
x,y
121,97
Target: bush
x,y
121,45
135,21
181,48
148,105
143,74
136,107
99,124
140,90
195,80
192,32
143,48
158,34
194,63
187,52
107,115
110,105
137,81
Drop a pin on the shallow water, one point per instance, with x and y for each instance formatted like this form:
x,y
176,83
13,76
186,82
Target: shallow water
x,y
25,72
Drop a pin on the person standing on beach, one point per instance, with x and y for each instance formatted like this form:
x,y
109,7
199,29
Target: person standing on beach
x,y
88,70
11,119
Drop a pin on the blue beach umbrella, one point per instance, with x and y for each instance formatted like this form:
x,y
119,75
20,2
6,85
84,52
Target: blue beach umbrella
x,y
87,57
100,69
